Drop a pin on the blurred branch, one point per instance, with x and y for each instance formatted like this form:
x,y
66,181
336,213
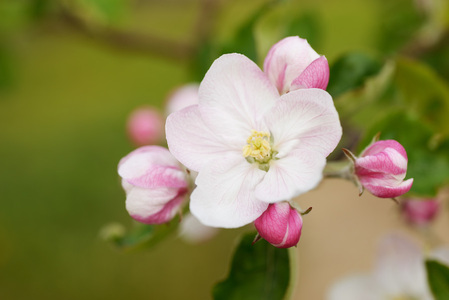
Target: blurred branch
x,y
204,24
422,45
146,43
130,41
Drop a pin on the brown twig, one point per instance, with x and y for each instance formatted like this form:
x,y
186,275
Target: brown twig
x,y
420,46
204,25
131,41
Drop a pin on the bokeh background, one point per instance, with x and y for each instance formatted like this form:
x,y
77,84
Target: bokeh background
x,y
68,80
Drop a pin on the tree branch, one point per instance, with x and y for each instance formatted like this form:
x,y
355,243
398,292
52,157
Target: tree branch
x,y
131,41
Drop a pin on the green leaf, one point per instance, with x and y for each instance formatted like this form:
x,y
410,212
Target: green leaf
x,y
141,236
40,8
350,72
437,59
259,271
407,102
424,93
438,278
399,24
203,59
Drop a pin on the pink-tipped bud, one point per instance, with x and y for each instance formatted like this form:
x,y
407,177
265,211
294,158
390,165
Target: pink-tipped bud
x,y
155,184
420,212
145,126
381,169
182,97
280,225
292,64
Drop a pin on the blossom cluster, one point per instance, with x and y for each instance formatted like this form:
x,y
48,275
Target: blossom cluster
x,y
246,142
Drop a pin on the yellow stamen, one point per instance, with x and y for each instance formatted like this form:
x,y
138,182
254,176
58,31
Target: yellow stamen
x,y
258,145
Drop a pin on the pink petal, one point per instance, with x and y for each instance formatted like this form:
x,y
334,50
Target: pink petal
x,y
154,206
152,166
224,196
161,176
388,161
286,60
145,126
280,225
233,97
298,172
305,119
316,75
380,146
385,191
420,212
191,141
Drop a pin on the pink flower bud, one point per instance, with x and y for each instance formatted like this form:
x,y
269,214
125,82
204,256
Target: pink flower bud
x,y
155,184
292,64
420,212
280,225
381,169
145,126
182,97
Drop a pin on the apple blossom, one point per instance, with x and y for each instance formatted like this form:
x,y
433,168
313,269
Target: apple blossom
x,y
419,212
399,274
145,126
182,97
292,64
250,146
381,169
155,184
280,225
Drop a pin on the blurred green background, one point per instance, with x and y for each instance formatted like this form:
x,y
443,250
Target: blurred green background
x,y
65,93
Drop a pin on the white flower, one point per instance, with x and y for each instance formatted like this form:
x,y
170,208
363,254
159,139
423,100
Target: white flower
x,y
250,146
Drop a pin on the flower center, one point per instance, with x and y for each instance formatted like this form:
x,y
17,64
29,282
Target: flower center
x,y
258,147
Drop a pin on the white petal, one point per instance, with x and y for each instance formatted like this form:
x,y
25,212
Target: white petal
x,y
224,196
400,267
182,97
305,119
294,174
233,97
441,254
357,287
137,163
191,141
152,166
194,232
286,60
146,202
